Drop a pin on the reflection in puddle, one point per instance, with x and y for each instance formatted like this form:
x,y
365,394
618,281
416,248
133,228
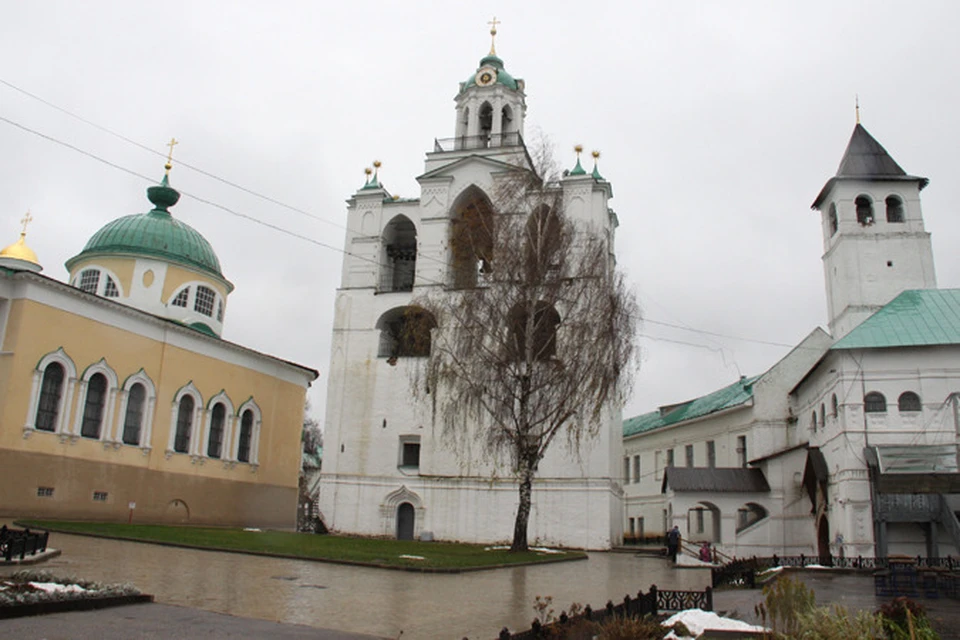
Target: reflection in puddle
x,y
475,604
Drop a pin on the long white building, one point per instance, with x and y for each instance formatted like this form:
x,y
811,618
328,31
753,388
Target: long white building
x,y
853,433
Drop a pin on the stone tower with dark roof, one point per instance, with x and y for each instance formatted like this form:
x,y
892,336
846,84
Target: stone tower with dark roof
x,y
874,241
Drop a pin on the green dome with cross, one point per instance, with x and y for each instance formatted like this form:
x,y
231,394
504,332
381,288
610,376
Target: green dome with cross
x,y
155,234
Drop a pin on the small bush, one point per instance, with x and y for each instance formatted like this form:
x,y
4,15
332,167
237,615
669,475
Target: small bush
x,y
786,600
902,613
835,623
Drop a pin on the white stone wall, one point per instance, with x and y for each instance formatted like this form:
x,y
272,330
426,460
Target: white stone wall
x,y
931,372
865,267
459,492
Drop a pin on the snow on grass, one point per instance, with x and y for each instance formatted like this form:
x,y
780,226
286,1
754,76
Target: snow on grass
x,y
697,621
407,557
504,547
51,587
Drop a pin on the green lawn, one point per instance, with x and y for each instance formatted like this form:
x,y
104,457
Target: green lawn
x,y
436,555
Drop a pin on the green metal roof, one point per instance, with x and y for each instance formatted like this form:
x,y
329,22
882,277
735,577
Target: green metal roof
x,y
503,77
914,318
156,234
729,397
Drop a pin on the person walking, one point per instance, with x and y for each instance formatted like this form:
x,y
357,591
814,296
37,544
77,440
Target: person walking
x,y
673,543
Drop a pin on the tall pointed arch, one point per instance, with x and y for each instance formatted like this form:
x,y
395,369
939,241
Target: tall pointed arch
x,y
471,238
398,255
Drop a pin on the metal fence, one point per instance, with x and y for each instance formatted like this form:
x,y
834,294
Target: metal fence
x,y
651,603
17,544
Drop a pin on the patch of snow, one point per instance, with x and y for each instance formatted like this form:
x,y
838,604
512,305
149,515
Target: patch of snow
x,y
698,621
815,566
253,529
546,550
52,587
496,548
412,557
771,571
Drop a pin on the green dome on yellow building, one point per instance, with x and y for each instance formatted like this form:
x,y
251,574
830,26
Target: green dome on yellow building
x,y
154,234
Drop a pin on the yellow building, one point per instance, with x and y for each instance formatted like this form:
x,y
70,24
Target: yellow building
x,y
117,393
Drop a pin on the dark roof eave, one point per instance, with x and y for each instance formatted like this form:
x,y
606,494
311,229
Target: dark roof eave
x,y
923,182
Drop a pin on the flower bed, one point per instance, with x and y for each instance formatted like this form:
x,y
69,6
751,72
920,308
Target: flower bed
x,y
36,592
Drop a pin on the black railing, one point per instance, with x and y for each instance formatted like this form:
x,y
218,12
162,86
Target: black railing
x,y
743,571
651,603
483,141
17,543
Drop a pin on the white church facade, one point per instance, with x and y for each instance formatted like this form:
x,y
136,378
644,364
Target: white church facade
x,y
388,470
849,443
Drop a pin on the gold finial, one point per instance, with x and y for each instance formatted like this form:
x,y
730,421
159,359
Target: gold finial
x,y
579,149
169,165
493,35
27,219
368,171
595,154
858,107
376,171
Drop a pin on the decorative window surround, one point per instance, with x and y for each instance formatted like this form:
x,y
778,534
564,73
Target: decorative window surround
x,y
193,441
66,393
226,450
146,419
252,406
110,395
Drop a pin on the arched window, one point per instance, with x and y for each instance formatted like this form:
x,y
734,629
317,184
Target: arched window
x,y
246,436
507,127
544,244
471,238
93,406
215,440
133,416
835,405
813,421
864,210
874,402
486,123
832,216
97,281
542,327
51,394
909,401
894,209
90,280
749,514
205,300
185,409
823,416
399,255
181,298
405,332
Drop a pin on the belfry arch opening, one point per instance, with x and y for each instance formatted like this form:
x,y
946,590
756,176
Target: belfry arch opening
x,y
471,239
485,127
398,260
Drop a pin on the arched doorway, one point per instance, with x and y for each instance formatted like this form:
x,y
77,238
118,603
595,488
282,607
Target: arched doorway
x,y
406,518
823,541
177,511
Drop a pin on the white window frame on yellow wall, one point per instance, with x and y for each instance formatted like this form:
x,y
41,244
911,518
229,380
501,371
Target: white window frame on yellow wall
x,y
228,420
146,419
109,402
105,275
196,424
254,461
66,393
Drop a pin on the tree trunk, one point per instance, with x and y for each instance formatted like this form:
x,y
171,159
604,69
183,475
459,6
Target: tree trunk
x,y
523,509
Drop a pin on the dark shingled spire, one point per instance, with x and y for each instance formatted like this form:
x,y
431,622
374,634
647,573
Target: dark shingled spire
x,y
866,159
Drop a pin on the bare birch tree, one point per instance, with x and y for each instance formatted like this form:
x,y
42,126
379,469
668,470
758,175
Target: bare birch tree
x,y
534,338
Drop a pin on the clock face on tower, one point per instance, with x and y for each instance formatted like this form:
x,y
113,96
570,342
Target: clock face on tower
x,y
486,77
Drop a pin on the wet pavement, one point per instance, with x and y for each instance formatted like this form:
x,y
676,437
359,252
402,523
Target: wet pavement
x,y
854,591
357,599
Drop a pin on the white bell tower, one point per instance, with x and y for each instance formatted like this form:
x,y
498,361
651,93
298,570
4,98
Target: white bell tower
x,y
875,244
490,105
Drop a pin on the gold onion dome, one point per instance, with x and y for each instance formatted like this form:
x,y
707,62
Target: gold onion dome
x,y
20,251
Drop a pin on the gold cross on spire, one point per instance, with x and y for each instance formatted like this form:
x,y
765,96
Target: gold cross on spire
x,y
493,35
169,165
27,219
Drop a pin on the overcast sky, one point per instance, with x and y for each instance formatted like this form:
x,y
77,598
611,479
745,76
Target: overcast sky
x,y
718,124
